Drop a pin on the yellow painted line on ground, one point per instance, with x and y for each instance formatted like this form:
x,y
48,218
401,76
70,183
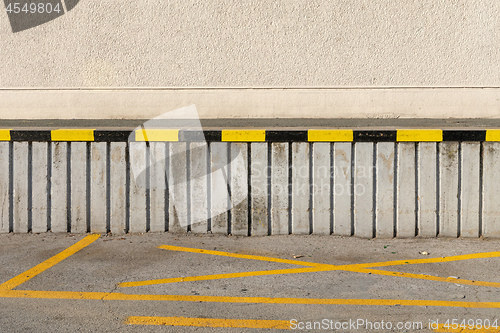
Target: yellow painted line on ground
x,y
224,276
482,255
493,135
112,296
236,255
4,134
244,135
330,135
425,277
475,329
321,268
32,272
422,135
157,134
365,268
72,135
7,292
315,267
209,322
356,268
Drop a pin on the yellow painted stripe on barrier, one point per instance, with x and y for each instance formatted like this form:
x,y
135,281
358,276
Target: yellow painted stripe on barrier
x,y
4,134
422,135
32,272
330,135
156,134
72,135
244,135
113,296
209,322
493,135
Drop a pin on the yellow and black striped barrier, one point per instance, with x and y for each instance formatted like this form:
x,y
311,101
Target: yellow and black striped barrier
x,y
250,135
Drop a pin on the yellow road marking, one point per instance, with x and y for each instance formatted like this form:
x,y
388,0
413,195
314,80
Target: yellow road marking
x,y
223,276
156,134
243,135
421,135
6,288
476,329
72,135
482,255
427,277
209,322
32,272
4,134
112,296
319,268
330,135
316,267
236,255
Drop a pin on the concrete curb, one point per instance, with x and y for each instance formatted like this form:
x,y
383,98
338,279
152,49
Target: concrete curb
x,y
366,183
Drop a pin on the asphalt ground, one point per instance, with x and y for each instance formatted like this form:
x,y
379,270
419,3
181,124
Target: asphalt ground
x,y
183,283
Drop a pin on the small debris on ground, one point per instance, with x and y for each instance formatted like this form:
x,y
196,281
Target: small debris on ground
x,y
425,253
298,256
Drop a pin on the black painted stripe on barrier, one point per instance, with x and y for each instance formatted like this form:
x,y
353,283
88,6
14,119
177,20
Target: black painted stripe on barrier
x,y
271,135
286,136
374,136
36,135
453,135
111,136
200,136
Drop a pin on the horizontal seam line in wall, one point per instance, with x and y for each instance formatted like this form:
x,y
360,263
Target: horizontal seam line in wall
x,y
245,88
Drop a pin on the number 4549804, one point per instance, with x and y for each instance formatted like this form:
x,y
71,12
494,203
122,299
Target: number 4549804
x,y
33,8
471,324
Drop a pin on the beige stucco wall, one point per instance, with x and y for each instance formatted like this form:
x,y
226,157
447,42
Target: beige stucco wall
x,y
258,43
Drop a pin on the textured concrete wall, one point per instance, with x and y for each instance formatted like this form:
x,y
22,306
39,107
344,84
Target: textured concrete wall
x,y
157,43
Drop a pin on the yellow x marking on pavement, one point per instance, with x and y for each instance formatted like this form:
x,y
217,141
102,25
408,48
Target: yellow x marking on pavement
x,y
7,289
317,267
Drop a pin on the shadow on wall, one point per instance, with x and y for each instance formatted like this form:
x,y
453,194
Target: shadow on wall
x,y
27,14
